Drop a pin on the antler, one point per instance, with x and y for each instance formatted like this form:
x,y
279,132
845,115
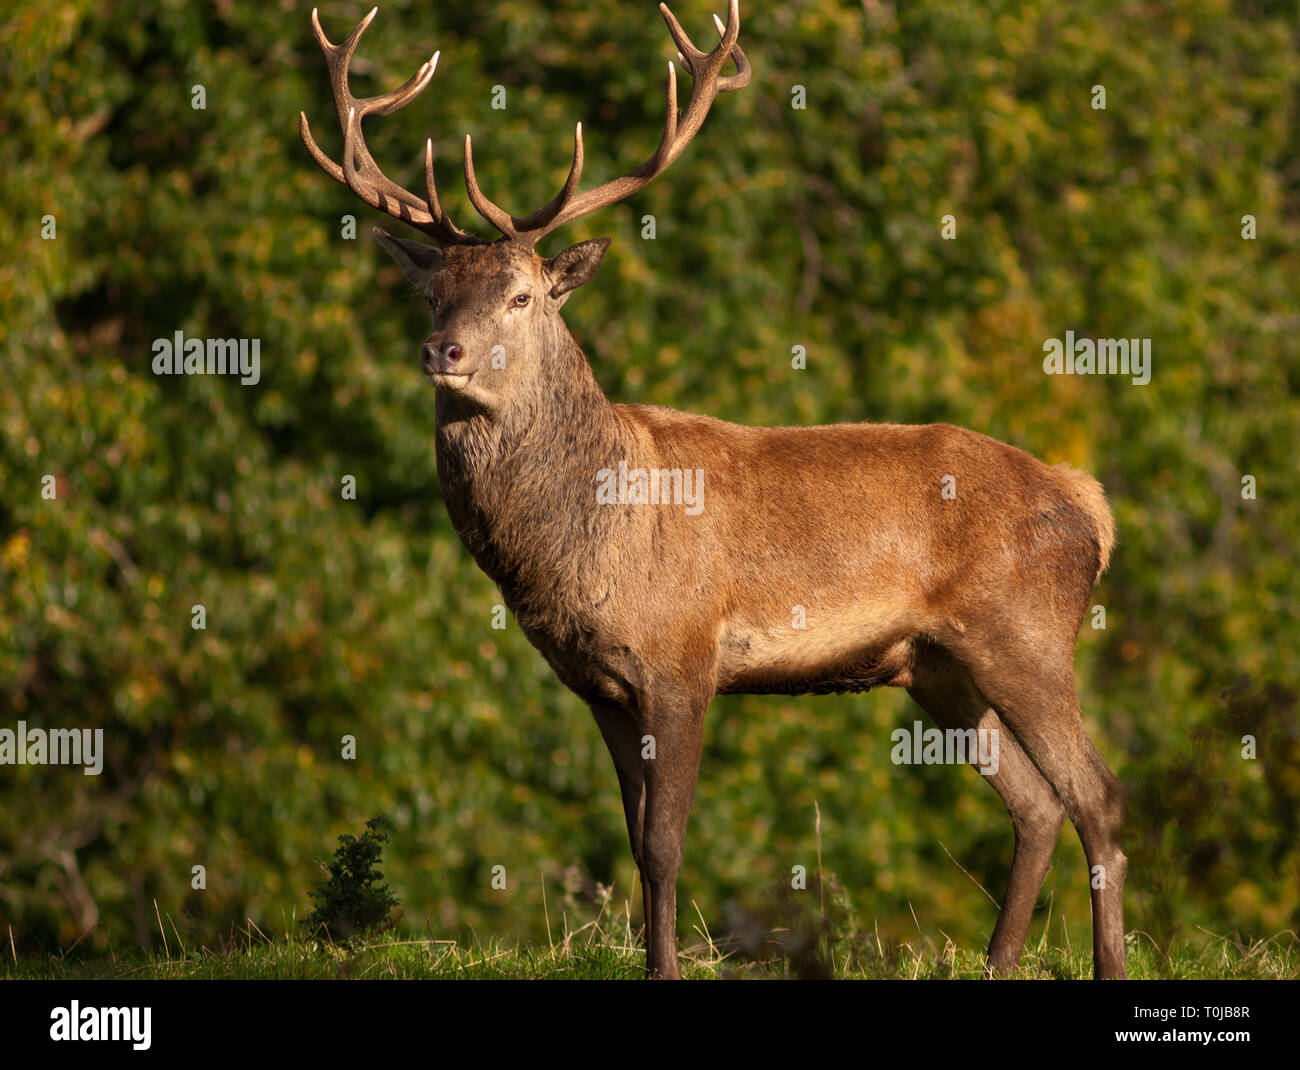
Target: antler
x,y
568,205
359,172
362,175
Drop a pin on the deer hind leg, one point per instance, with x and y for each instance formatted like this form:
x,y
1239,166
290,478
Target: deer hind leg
x,y
1035,697
943,688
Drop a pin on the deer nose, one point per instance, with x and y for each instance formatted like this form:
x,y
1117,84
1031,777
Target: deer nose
x,y
437,359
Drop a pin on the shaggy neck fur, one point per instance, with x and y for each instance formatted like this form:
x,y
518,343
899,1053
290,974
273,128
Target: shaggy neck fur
x,y
519,482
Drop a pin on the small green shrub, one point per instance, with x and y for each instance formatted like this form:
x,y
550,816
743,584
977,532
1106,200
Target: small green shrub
x,y
353,901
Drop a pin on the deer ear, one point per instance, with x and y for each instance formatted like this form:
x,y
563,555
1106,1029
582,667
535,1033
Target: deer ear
x,y
575,266
417,260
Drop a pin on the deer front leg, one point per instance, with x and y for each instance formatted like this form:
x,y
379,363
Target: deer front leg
x,y
623,738
677,730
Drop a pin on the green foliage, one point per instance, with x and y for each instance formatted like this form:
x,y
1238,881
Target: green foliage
x,y
820,227
351,902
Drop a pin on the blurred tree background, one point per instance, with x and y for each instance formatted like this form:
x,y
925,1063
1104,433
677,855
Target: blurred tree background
x,y
780,226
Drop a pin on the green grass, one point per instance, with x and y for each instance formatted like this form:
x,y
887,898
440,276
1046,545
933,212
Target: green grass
x,y
612,952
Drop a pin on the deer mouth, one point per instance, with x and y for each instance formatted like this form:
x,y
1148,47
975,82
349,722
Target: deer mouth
x,y
449,381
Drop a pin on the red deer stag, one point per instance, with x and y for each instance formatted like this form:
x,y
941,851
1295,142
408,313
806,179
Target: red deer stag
x,y
925,557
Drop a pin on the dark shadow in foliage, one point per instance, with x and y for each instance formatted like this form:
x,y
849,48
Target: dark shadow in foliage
x,y
353,901
811,935
790,927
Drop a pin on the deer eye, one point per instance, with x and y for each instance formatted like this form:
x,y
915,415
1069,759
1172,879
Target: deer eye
x,y
520,300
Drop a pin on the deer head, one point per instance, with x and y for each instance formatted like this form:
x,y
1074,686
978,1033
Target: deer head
x,y
496,322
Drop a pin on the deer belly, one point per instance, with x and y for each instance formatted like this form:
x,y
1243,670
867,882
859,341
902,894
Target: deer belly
x,y
817,657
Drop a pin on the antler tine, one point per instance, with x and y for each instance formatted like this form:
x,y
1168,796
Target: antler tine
x,y
440,218
685,46
359,171
670,128
498,217
704,68
514,227
740,79
552,208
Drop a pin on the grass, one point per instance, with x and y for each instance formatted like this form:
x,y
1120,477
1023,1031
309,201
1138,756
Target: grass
x,y
611,951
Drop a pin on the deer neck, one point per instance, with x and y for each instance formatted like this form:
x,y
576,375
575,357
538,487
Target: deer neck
x,y
519,482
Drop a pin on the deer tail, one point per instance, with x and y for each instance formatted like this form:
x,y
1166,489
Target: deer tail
x,y
1089,496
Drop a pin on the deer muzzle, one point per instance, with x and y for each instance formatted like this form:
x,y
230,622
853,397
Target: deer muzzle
x,y
446,365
